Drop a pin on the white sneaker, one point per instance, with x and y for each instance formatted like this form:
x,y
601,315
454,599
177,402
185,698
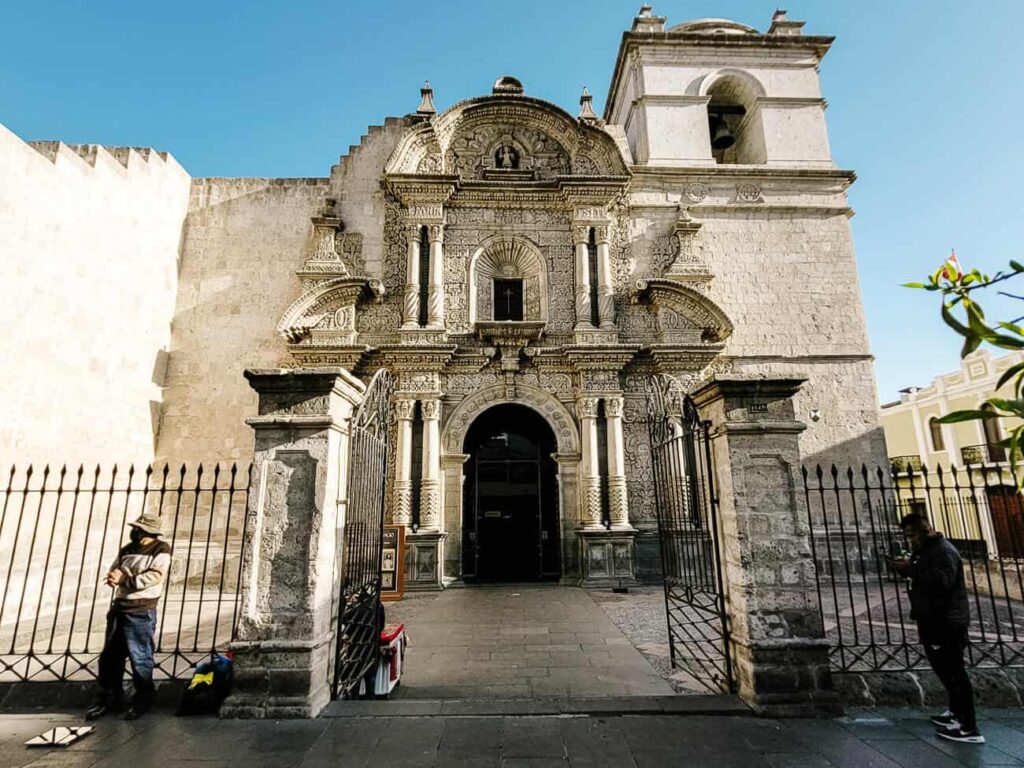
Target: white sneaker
x,y
962,736
945,720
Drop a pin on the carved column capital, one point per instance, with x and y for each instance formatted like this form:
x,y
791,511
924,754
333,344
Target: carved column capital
x,y
431,408
602,233
435,232
580,234
613,407
587,407
404,409
413,229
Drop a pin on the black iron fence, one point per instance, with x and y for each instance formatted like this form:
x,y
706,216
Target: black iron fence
x,y
688,531
854,524
59,532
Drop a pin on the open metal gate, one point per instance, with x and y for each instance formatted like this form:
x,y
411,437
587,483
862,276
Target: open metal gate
x,y
360,615
687,511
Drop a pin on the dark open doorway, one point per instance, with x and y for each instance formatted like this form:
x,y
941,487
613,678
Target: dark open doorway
x,y
510,526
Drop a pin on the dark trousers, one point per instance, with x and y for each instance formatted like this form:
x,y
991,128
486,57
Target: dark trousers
x,y
944,646
129,636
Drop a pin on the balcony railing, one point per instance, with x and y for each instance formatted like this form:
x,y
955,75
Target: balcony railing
x,y
982,454
905,463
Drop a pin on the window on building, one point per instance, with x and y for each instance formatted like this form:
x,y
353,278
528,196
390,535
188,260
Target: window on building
x,y
592,271
424,275
938,444
993,436
508,299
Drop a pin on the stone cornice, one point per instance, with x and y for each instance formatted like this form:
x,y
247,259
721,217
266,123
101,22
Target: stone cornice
x,y
412,189
672,358
815,45
746,385
419,358
588,357
314,380
728,172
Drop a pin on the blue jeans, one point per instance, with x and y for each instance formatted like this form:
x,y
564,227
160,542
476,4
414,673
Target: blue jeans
x,y
129,635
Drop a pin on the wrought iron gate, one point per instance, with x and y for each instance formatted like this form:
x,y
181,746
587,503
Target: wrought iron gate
x,y
360,616
687,511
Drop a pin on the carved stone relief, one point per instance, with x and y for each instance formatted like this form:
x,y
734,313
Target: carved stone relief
x,y
482,148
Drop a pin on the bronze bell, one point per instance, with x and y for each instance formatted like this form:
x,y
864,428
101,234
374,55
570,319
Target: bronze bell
x,y
721,136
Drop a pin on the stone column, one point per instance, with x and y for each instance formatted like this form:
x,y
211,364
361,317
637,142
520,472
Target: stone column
x,y
404,410
568,502
605,287
435,290
452,478
411,309
590,467
780,656
618,505
581,241
430,487
284,647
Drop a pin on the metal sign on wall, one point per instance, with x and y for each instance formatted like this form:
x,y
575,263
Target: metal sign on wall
x,y
392,563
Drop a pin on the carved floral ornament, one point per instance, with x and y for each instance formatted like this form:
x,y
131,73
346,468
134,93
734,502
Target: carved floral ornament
x,y
544,403
506,132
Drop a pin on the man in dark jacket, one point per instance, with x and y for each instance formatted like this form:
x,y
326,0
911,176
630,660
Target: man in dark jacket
x,y
938,603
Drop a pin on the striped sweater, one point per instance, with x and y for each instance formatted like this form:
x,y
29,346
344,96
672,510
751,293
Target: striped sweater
x,y
145,568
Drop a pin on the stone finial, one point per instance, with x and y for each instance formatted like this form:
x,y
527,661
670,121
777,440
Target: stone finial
x,y
426,106
645,21
587,113
783,27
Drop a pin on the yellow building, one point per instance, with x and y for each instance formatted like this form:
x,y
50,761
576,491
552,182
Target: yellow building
x,y
958,474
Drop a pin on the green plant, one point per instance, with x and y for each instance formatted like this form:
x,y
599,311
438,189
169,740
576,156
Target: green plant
x,y
962,312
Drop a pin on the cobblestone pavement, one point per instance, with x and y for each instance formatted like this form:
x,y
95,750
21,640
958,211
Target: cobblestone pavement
x,y
862,739
517,643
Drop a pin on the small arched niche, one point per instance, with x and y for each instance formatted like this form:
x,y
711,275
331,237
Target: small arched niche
x,y
737,136
508,281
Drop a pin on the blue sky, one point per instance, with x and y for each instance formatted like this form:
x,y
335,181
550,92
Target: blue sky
x,y
926,102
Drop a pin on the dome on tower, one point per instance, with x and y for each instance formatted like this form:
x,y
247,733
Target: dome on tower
x,y
714,27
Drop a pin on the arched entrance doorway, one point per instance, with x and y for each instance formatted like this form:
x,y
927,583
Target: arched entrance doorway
x,y
510,528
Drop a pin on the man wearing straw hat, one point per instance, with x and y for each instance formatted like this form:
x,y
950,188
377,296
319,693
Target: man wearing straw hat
x,y
137,576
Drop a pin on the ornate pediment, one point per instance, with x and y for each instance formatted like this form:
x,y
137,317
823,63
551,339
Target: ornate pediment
x,y
507,136
681,309
325,314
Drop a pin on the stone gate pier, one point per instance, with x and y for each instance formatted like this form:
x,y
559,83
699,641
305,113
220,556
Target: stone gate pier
x,y
778,648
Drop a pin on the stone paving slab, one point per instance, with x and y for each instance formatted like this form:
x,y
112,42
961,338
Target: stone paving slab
x,y
607,705
882,738
517,642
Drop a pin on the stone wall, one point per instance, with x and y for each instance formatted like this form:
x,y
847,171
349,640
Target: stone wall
x,y
90,241
785,273
243,241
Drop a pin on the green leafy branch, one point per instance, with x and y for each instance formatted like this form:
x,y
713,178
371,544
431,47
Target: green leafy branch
x,y
962,312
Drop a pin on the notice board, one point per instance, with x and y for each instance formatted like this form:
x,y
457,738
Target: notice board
x,y
392,563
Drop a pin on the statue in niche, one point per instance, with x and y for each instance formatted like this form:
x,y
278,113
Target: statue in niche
x,y
506,158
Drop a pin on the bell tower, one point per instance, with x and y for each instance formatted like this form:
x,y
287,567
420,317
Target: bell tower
x,y
713,92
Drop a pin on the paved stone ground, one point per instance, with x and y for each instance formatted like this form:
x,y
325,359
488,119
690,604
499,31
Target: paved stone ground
x,y
517,643
862,739
640,614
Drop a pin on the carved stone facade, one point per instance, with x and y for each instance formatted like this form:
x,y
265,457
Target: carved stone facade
x,y
522,258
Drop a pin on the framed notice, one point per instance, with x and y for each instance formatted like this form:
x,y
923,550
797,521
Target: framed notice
x,y
392,563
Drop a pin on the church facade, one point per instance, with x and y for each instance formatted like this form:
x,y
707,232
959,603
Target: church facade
x,y
521,270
